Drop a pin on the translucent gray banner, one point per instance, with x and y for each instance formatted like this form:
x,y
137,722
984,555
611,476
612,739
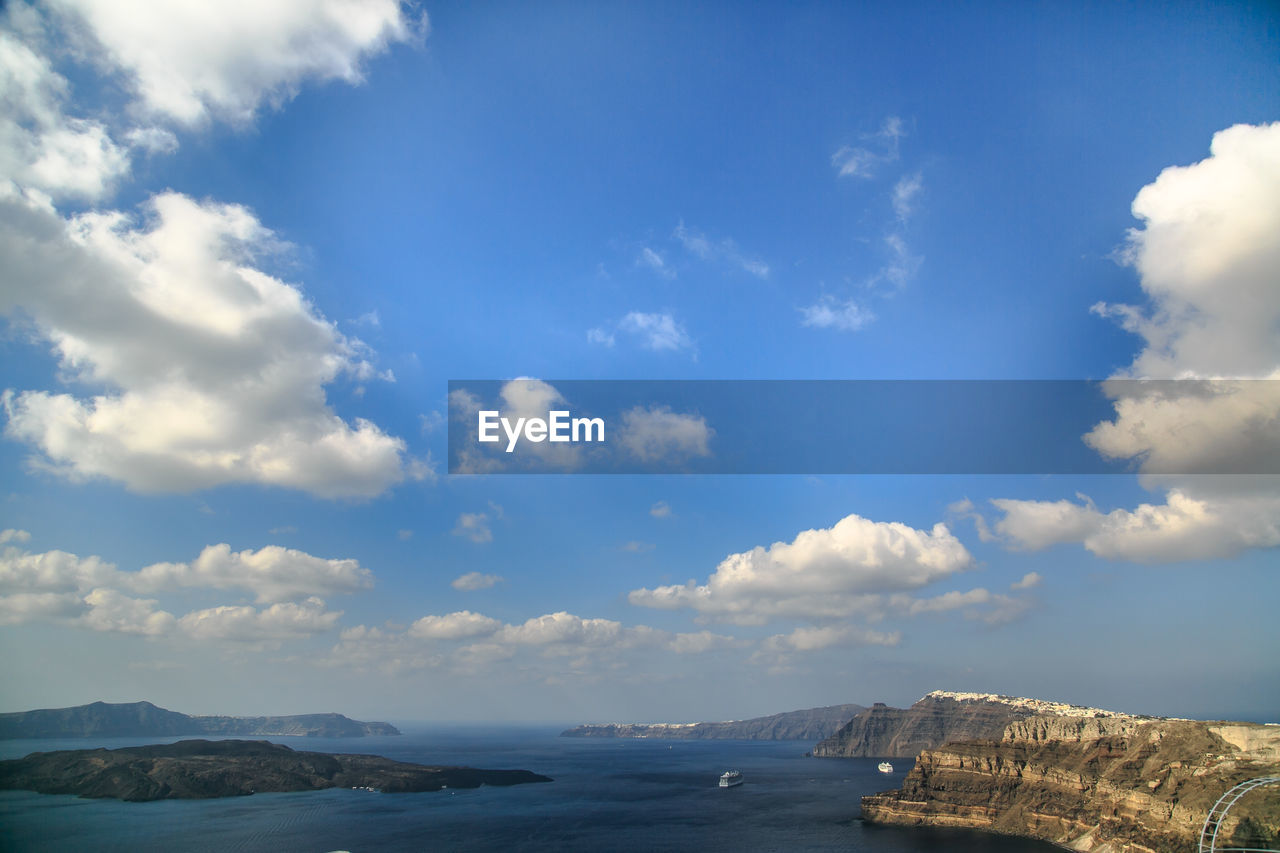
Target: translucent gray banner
x,y
532,426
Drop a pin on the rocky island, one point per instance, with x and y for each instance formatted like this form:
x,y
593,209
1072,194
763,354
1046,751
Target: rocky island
x,y
143,719
1093,780
202,769
810,724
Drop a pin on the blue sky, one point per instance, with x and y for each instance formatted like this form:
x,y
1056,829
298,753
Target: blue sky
x,y
245,254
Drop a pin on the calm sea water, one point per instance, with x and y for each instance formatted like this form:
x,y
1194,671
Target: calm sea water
x,y
608,794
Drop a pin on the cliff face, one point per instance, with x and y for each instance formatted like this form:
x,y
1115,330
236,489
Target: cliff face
x,y
142,719
198,769
811,724
1108,785
881,731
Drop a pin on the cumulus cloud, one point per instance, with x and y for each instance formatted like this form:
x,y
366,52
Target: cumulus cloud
x,y
454,626
1206,256
1182,528
41,147
212,371
59,586
475,580
473,642
186,61
842,315
807,639
110,610
272,573
658,433
822,574
660,509
1029,581
284,621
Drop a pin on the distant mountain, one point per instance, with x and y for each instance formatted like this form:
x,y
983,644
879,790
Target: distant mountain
x,y
142,719
810,724
201,769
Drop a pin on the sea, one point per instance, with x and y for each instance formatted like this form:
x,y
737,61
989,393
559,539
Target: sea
x,y
609,794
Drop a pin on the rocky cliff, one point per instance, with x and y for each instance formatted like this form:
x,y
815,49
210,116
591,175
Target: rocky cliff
x,y
811,724
1113,784
882,731
199,769
142,719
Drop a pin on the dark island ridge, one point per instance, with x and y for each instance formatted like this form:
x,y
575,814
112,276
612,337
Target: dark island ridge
x,y
143,719
202,769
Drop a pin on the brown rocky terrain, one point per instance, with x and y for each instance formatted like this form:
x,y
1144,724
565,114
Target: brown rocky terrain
x,y
200,769
884,732
1113,784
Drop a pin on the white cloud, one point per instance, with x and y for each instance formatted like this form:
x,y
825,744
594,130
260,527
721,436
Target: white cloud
x,y
473,526
658,433
1206,256
271,573
860,162
110,610
12,535
41,148
660,509
823,574
187,61
454,626
654,261
902,265
213,371
807,639
657,332
724,251
829,313
637,547
475,580
904,195
285,621
1182,528
600,336
22,607
1030,580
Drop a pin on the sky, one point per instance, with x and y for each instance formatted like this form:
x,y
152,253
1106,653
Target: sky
x,y
245,248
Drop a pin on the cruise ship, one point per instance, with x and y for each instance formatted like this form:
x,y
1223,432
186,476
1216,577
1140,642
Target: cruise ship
x,y
884,767
730,778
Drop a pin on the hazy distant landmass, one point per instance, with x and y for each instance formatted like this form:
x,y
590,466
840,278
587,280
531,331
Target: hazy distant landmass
x,y
810,724
202,769
1093,780
142,719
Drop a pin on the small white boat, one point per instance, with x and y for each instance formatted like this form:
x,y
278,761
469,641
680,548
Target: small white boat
x,y
730,778
884,767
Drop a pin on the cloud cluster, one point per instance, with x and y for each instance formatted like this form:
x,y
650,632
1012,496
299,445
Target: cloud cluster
x,y
204,368
59,586
824,574
1207,257
186,61
470,641
900,264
